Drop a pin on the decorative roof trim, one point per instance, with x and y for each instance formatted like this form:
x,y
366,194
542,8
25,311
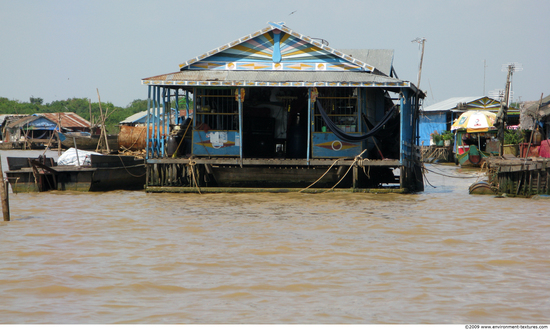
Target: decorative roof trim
x,y
279,26
207,83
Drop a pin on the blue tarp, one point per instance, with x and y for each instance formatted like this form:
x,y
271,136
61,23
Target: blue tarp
x,y
430,122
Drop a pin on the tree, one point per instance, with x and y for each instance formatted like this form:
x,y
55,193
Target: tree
x,y
36,100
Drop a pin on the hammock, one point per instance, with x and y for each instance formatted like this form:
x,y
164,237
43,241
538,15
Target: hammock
x,y
353,138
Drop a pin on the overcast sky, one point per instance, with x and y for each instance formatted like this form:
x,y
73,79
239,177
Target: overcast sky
x,y
61,49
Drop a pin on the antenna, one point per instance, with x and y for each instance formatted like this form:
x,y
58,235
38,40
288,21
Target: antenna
x,y
484,67
421,41
505,103
511,68
498,94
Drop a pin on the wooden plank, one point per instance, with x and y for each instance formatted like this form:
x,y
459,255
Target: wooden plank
x,y
270,190
275,161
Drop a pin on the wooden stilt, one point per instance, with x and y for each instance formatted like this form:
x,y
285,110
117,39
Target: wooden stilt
x,y
4,195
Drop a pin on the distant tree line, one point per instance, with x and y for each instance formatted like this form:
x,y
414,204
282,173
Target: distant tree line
x,y
80,106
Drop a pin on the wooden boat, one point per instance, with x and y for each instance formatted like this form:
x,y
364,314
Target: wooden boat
x,y
482,188
472,149
105,173
475,138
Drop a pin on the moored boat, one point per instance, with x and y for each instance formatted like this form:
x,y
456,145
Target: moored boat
x,y
93,172
475,138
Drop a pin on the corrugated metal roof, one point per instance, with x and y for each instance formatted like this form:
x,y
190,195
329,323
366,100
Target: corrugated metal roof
x,y
139,117
381,59
68,119
544,109
135,117
9,116
281,78
451,103
27,121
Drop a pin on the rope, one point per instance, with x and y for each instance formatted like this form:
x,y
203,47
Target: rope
x,y
192,164
343,176
336,161
137,138
451,176
135,176
182,138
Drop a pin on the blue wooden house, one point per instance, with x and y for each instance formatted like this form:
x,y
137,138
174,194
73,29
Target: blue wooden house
x,y
276,109
29,131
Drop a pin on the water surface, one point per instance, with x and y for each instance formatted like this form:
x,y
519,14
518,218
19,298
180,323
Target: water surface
x,y
441,256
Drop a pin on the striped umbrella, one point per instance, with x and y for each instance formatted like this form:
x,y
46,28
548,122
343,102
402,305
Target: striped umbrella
x,y
475,121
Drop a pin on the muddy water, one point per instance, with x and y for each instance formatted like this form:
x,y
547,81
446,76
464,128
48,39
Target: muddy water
x,y
441,256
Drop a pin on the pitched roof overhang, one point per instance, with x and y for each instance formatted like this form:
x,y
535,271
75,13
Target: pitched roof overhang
x,y
68,119
276,79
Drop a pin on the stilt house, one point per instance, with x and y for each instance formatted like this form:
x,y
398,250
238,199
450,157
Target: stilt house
x,y
280,111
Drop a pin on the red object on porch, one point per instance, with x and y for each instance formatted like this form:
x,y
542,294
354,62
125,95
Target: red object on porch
x,y
533,150
544,150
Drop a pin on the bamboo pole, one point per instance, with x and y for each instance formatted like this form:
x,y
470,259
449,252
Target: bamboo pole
x,y
103,130
4,195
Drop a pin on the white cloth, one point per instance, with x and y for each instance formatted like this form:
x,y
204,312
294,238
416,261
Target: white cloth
x,y
69,157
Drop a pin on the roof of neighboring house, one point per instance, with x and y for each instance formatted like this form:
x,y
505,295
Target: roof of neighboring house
x,y
32,122
533,108
139,117
68,119
464,104
5,117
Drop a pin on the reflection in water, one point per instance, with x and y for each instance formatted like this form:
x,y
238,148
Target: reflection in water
x,y
441,256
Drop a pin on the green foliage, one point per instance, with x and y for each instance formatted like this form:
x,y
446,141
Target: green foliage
x,y
447,136
436,137
512,136
80,106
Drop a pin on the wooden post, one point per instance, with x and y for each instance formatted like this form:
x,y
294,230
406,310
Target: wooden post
x,y
4,195
91,122
58,139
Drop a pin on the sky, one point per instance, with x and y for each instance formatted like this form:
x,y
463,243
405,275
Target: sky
x,y
60,49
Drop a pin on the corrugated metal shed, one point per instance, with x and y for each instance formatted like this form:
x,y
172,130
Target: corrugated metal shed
x,y
68,120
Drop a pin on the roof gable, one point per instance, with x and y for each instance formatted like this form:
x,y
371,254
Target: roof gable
x,y
277,48
465,103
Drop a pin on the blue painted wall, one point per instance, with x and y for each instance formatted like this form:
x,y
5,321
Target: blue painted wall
x,y
430,122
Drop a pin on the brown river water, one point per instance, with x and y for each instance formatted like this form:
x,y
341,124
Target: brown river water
x,y
440,256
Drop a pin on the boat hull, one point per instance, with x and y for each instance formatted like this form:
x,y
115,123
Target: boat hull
x,y
105,174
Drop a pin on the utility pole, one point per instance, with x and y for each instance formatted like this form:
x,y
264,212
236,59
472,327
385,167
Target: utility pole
x,y
484,69
502,115
421,41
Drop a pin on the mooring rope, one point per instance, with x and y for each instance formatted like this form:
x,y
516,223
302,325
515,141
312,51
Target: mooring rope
x,y
451,176
343,176
192,164
135,176
336,161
